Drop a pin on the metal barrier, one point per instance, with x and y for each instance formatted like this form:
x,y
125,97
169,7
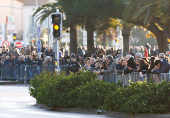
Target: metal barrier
x,y
22,72
64,68
26,72
133,77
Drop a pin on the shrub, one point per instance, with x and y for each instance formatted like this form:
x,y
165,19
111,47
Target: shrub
x,y
140,97
52,90
91,95
83,90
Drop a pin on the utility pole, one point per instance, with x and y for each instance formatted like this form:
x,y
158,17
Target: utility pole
x,y
57,34
58,59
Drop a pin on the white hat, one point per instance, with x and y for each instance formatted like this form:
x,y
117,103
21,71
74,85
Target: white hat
x,y
162,55
139,55
47,57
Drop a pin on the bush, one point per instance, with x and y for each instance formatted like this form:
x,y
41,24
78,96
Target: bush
x,y
83,90
91,95
52,90
140,97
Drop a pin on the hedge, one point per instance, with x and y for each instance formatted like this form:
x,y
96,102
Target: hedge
x,y
83,90
140,97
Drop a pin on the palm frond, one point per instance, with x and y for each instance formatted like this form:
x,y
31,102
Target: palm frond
x,y
150,13
116,21
38,10
139,11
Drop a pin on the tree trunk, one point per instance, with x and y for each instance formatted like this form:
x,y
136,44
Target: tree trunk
x,y
126,36
161,37
73,39
162,41
90,37
90,41
104,38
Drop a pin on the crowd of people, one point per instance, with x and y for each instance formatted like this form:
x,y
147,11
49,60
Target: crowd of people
x,y
103,64
103,61
27,55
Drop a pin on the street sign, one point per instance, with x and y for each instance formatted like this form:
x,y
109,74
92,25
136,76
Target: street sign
x,y
18,44
6,43
38,32
10,19
39,46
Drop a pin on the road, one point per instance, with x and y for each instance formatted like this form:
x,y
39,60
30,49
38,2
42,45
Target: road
x,y
15,102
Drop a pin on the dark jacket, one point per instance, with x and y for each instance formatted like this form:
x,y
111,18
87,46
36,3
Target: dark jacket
x,y
73,67
31,62
39,63
6,61
14,61
165,67
20,62
120,68
131,64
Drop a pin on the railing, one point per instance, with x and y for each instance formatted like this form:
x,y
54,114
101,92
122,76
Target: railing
x,y
134,77
22,72
26,72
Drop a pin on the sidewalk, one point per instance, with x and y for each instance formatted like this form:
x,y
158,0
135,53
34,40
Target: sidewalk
x,y
3,82
108,113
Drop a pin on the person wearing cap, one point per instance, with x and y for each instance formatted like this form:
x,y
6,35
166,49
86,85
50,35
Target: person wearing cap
x,y
112,64
73,66
48,61
21,60
165,65
130,64
138,55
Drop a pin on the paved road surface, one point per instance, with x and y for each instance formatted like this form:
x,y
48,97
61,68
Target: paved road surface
x,y
15,102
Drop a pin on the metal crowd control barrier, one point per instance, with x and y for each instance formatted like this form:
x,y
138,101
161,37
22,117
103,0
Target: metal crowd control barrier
x,y
22,72
133,77
64,68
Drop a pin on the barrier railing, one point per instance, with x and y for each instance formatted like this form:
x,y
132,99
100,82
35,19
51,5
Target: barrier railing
x,y
26,72
134,77
23,72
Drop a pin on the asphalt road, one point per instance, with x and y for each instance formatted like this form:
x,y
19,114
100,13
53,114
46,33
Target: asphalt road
x,y
15,102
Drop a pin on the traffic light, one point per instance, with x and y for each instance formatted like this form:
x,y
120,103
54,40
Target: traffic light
x,y
14,36
57,25
115,36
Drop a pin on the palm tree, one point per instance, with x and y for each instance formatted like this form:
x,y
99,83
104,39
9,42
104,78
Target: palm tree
x,y
151,14
71,21
148,9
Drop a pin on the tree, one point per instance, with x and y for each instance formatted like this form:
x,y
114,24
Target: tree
x,y
155,14
94,14
71,21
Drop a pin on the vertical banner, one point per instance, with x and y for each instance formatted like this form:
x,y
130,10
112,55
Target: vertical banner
x,y
2,33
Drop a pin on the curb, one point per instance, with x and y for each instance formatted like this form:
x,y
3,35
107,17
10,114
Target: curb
x,y
10,82
107,113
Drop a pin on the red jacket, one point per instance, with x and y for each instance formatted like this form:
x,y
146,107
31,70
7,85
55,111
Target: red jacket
x,y
146,53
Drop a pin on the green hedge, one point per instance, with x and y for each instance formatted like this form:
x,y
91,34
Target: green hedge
x,y
83,90
53,90
140,97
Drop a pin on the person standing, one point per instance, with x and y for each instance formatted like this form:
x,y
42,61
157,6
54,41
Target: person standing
x,y
73,66
165,66
146,53
112,65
